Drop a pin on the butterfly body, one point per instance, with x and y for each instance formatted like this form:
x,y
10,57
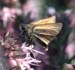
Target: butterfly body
x,y
45,30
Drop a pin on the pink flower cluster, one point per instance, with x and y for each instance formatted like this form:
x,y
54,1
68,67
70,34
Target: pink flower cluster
x,y
19,55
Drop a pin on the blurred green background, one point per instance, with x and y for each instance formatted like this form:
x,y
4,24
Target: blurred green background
x,y
58,4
